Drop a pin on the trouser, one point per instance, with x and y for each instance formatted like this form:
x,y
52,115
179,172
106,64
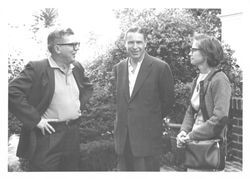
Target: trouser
x,y
128,162
59,151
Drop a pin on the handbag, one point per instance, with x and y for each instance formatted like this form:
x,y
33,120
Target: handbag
x,y
205,154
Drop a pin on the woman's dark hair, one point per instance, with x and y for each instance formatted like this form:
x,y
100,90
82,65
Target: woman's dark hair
x,y
210,48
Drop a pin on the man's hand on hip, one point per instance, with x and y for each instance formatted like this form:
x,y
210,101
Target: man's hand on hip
x,y
44,125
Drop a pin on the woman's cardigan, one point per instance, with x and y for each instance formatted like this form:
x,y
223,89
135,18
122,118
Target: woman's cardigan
x,y
217,103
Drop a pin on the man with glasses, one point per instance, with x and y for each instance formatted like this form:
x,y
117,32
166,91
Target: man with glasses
x,y
48,97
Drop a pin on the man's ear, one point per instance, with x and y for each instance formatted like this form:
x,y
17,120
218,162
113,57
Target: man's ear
x,y
57,49
124,43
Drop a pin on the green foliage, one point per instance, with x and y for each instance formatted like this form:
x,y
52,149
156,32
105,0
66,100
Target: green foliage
x,y
182,94
14,125
44,18
100,110
15,66
232,70
207,21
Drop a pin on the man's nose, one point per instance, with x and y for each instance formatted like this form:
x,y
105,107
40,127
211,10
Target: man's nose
x,y
76,48
135,45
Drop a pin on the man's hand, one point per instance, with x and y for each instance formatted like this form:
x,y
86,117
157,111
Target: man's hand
x,y
44,125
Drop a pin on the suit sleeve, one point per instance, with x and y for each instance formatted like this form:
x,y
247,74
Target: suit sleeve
x,y
88,88
166,90
113,82
19,90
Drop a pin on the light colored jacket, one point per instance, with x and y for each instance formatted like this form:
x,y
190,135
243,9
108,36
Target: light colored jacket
x,y
217,102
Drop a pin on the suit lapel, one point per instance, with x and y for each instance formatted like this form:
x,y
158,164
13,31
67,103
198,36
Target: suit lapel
x,y
125,81
48,84
142,75
51,76
77,77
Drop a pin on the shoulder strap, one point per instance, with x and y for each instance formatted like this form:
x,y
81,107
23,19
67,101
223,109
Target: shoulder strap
x,y
209,80
204,109
203,91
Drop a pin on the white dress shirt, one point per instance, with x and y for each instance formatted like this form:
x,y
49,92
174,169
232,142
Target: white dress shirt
x,y
132,74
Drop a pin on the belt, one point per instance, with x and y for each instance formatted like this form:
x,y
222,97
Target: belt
x,y
69,122
60,125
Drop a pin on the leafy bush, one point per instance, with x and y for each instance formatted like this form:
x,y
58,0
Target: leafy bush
x,y
14,125
98,156
15,66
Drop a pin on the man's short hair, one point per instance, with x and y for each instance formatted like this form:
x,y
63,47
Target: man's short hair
x,y
56,36
138,30
210,48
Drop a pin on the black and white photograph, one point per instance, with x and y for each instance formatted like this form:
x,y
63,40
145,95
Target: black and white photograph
x,y
124,88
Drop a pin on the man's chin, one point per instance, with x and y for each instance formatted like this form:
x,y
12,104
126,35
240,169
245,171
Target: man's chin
x,y
71,61
136,57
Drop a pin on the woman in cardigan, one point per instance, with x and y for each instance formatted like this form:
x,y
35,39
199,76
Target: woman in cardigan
x,y
199,123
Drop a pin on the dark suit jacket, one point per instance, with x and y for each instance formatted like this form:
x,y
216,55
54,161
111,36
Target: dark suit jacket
x,y
141,114
30,95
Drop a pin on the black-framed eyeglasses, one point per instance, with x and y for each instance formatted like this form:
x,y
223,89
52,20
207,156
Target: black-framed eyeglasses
x,y
75,45
192,50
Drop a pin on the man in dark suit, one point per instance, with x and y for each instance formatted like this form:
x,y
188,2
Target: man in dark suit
x,y
144,96
48,97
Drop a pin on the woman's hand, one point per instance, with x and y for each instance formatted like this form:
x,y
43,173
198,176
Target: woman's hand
x,y
180,139
186,139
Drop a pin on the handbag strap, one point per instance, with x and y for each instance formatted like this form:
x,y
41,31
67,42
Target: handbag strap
x,y
203,91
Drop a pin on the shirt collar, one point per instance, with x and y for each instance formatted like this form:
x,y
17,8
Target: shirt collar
x,y
139,62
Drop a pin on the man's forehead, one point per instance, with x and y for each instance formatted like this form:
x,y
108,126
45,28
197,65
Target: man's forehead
x,y
134,36
70,38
